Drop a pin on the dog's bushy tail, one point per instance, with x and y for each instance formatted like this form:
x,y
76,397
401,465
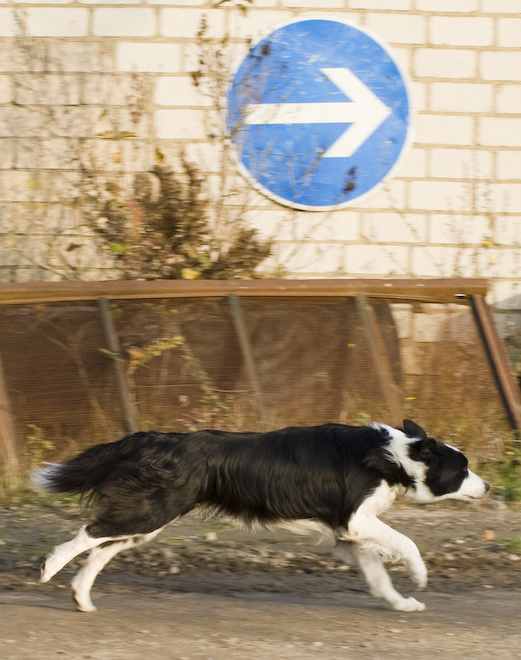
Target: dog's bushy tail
x,y
85,473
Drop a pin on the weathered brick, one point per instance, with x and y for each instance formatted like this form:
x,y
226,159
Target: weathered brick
x,y
509,99
383,260
148,57
312,4
434,261
414,164
57,22
179,124
255,24
444,129
445,63
394,227
508,165
186,23
460,164
461,31
6,89
399,5
311,258
499,131
445,196
398,28
501,7
509,32
179,90
446,6
459,229
461,97
508,231
124,22
500,65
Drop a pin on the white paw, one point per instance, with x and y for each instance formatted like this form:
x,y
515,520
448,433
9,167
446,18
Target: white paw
x,y
419,575
48,569
84,606
409,605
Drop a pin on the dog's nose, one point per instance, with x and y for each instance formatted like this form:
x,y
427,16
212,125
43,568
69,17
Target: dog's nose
x,y
487,487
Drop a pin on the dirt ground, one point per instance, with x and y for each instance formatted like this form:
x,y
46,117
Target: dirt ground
x,y
207,591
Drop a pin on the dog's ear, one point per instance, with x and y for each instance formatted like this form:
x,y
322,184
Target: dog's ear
x,y
423,450
413,430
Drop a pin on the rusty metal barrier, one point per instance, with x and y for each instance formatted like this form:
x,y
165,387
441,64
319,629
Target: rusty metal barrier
x,y
84,362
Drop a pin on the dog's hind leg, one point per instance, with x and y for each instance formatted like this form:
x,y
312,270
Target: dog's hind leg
x,y
378,579
97,559
64,553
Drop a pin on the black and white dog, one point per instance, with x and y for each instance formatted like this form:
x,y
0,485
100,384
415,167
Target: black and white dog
x,y
331,479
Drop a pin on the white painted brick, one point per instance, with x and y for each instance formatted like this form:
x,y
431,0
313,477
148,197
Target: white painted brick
x,y
148,57
508,165
461,97
501,7
414,164
186,23
398,28
509,99
445,63
312,4
501,65
44,2
255,24
499,131
460,164
179,124
461,31
178,90
389,196
57,22
6,154
444,129
394,227
104,2
509,32
124,22
181,3
399,5
8,27
284,225
6,90
505,198
450,196
459,229
319,258
446,6
419,96
505,295
432,261
50,89
383,260
508,231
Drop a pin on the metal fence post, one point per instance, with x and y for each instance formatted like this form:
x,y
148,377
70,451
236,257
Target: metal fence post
x,y
251,367
7,432
498,359
390,390
113,344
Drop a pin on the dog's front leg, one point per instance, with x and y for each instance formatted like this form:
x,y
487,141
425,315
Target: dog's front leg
x,y
367,531
378,579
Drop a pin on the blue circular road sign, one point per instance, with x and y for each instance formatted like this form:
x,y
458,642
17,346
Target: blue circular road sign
x,y
319,114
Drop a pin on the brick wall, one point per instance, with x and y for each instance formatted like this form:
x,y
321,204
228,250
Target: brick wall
x,y
452,208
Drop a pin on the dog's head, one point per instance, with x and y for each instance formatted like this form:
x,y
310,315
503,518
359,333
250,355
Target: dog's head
x,y
444,471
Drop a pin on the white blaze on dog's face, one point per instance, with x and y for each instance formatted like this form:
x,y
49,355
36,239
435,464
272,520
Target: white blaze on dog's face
x,y
446,474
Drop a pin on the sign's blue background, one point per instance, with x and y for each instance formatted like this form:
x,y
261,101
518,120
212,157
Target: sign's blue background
x,y
286,159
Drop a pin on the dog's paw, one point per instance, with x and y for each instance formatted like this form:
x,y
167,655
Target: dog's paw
x,y
419,575
409,605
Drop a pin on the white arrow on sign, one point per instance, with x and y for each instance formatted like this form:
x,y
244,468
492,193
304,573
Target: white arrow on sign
x,y
365,112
